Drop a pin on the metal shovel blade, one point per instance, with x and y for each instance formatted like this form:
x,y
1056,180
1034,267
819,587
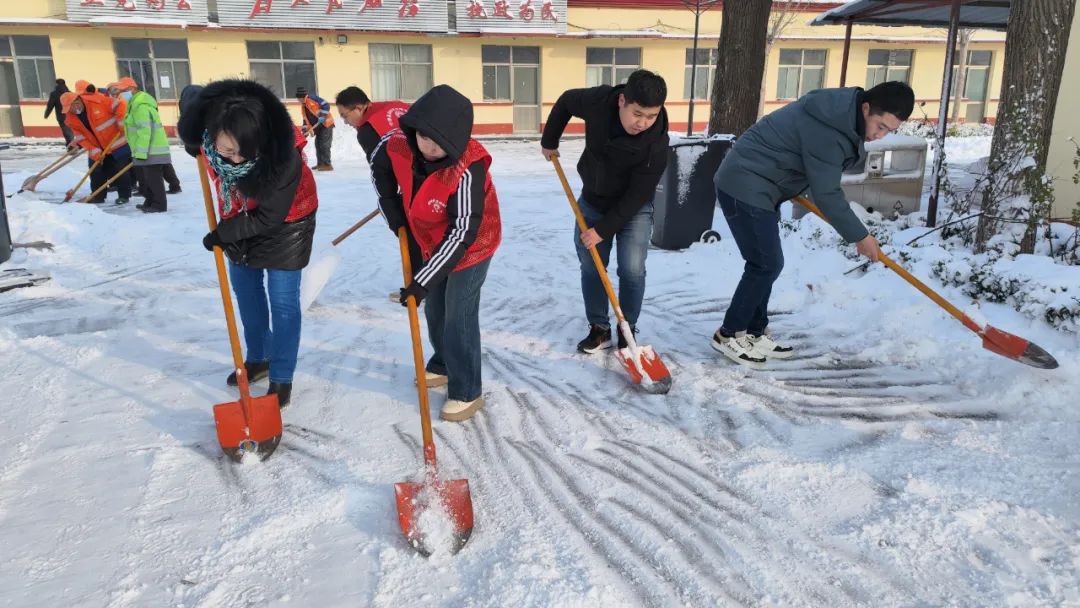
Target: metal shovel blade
x,y
237,438
656,379
424,533
1017,348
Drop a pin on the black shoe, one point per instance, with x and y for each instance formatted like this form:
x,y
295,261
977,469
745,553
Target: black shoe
x,y
622,339
176,190
598,339
122,201
148,209
283,392
255,372
141,206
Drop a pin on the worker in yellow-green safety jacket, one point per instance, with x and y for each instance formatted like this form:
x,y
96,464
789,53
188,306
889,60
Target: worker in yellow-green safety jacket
x,y
149,145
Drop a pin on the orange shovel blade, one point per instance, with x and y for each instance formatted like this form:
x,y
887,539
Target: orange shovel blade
x,y
237,438
1016,348
657,378
426,534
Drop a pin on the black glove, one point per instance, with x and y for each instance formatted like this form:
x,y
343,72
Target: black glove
x,y
414,289
211,240
392,211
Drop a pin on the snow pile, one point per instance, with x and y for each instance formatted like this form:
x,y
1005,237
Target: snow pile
x,y
927,129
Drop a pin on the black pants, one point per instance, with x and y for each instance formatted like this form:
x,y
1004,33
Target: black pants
x,y
105,171
324,137
153,182
170,177
169,174
66,130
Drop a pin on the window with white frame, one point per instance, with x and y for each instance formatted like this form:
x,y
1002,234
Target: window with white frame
x,y
496,66
884,65
159,66
283,67
706,72
400,71
35,76
610,65
801,71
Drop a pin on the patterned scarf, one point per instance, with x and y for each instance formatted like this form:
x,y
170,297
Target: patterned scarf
x,y
226,171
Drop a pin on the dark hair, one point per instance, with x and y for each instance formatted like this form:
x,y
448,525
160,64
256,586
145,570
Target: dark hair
x,y
646,89
352,96
91,89
891,97
244,118
301,92
60,81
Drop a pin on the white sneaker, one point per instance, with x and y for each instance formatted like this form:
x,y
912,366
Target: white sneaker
x,y
769,348
434,380
459,411
739,349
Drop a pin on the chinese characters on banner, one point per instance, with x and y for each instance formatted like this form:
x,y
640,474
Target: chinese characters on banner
x,y
193,12
512,14
373,15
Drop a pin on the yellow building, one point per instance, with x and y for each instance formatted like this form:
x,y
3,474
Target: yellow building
x,y
1065,136
513,58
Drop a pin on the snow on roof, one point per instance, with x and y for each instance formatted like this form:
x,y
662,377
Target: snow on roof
x,y
33,21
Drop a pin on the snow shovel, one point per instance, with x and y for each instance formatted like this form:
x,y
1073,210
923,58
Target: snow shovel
x,y
641,362
71,193
993,339
251,425
432,495
32,182
105,186
318,273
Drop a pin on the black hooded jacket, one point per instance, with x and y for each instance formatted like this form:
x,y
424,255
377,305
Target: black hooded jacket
x,y
619,172
445,116
260,238
54,104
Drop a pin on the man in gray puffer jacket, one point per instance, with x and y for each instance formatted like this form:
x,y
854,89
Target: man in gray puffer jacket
x,y
806,144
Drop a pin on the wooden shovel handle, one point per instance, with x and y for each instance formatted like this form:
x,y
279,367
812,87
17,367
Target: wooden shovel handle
x,y
223,278
907,276
344,235
94,167
103,187
592,250
418,353
64,161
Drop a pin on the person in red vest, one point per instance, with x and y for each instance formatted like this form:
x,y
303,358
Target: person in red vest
x,y
267,202
317,121
371,119
94,122
432,179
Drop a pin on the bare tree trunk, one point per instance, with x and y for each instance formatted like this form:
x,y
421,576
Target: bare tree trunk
x,y
741,60
1037,36
963,41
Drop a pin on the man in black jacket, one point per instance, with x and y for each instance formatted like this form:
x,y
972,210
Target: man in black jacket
x,y
54,106
626,147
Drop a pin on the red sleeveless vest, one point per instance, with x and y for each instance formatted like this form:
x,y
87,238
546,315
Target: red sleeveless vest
x,y
383,115
305,201
427,217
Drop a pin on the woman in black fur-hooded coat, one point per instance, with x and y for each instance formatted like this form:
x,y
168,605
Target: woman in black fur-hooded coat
x,y
267,202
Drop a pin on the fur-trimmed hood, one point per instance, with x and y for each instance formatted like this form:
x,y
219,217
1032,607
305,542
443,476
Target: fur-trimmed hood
x,y
277,152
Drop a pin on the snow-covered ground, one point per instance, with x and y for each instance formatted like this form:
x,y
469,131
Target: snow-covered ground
x,y
892,462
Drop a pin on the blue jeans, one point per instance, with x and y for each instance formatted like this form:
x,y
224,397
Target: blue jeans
x,y
757,233
452,309
279,342
633,247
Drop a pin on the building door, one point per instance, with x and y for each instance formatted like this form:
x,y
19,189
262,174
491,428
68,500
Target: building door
x,y
10,116
525,76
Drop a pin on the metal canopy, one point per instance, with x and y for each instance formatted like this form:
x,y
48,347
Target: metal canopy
x,y
979,14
